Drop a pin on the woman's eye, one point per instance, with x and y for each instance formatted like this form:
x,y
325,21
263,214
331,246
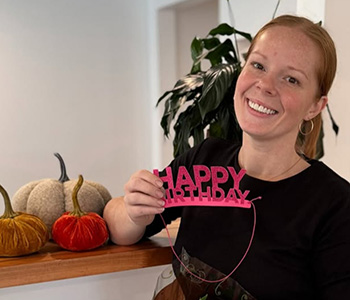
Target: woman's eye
x,y
258,66
292,80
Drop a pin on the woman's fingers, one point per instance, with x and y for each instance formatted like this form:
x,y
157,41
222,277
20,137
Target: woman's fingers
x,y
146,183
143,198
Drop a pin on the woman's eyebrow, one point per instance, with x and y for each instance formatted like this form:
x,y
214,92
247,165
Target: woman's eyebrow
x,y
292,68
298,70
259,53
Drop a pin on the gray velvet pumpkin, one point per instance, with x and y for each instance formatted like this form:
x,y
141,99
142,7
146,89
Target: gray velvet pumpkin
x,y
50,198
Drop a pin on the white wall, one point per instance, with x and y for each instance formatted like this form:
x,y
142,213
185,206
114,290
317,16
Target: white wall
x,y
249,16
338,148
312,9
74,80
333,14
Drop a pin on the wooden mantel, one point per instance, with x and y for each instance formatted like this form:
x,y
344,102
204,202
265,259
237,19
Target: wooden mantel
x,y
54,263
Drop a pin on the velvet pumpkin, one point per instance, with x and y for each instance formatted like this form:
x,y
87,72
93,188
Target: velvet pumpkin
x,y
50,198
78,230
20,233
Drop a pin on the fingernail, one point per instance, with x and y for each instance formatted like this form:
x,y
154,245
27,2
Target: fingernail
x,y
159,194
161,202
159,183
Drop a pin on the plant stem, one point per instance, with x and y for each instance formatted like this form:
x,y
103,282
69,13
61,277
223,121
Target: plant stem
x,y
9,212
64,177
76,207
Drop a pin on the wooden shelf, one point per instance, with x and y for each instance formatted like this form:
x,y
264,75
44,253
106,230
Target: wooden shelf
x,y
54,263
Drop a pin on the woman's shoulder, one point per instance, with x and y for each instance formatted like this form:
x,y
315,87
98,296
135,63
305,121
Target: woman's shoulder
x,y
328,184
325,175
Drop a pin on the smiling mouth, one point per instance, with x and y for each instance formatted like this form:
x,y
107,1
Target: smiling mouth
x,y
261,109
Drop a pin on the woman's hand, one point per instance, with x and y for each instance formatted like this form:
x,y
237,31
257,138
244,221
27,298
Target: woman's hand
x,y
128,216
143,197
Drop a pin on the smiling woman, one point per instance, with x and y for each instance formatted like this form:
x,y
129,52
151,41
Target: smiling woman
x,y
297,229
277,90
317,68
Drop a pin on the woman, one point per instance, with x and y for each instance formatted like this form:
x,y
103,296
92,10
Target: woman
x,y
301,244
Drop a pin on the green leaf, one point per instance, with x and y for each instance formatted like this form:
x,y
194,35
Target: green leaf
x,y
196,47
198,135
172,106
216,54
222,29
163,96
220,128
225,29
187,123
215,129
188,83
182,134
217,81
334,125
186,89
196,51
223,50
186,86
210,43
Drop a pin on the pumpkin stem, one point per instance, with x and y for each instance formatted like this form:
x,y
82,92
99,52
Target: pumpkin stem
x,y
64,177
77,210
9,212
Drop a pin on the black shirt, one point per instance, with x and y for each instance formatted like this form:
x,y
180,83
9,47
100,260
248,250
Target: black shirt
x,y
301,246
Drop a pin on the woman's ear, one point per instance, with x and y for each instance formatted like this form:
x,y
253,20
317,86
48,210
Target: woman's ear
x,y
316,108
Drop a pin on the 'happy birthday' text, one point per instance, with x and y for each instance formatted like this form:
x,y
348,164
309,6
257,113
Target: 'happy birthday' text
x,y
212,196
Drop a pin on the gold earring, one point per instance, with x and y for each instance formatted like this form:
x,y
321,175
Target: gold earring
x,y
302,125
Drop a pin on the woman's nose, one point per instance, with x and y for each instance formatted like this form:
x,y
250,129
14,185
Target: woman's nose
x,y
267,85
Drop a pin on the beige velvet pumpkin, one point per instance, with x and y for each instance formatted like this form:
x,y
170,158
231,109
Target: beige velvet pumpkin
x,y
20,233
50,198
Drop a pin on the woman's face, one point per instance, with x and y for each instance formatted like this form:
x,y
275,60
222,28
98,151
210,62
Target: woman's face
x,y
278,85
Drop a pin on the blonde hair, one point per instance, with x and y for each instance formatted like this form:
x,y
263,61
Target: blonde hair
x,y
307,144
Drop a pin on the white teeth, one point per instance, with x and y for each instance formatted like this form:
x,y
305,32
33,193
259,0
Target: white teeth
x,y
261,108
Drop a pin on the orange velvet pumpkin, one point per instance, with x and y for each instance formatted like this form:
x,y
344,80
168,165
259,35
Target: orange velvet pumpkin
x,y
20,233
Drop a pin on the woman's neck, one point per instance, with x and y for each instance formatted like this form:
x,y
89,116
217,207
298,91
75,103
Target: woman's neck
x,y
270,161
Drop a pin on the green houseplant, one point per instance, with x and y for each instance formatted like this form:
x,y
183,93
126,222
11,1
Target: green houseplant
x,y
209,92
206,96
